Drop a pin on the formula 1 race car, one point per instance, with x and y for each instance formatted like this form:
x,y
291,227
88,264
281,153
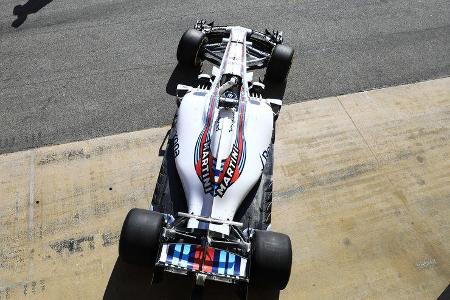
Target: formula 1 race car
x,y
211,210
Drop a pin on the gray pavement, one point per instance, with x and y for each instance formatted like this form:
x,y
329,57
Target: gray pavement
x,y
81,69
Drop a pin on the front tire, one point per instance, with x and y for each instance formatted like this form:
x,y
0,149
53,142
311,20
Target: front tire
x,y
188,52
139,238
271,260
279,63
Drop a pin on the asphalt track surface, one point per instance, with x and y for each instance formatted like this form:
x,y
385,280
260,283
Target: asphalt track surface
x,y
81,69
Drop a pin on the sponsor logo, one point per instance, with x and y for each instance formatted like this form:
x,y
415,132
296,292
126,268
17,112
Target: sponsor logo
x,y
205,170
264,157
230,174
232,168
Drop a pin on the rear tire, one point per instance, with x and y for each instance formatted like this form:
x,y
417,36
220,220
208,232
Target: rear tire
x,y
271,260
139,239
188,52
279,63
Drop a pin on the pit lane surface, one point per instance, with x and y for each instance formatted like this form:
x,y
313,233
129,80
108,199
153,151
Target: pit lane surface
x,y
82,69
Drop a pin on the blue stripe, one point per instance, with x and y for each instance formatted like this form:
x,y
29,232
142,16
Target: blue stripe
x,y
230,264
170,250
244,151
237,266
185,255
222,262
177,254
215,266
195,152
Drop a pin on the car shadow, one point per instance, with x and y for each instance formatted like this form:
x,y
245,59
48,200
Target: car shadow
x,y
134,282
181,75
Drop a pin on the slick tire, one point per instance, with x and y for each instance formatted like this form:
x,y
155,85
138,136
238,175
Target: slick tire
x,y
271,260
188,52
279,63
139,238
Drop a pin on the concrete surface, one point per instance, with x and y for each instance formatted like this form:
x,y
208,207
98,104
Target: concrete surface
x,y
363,189
362,186
81,69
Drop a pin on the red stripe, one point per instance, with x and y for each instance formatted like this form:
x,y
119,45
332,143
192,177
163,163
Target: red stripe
x,y
198,257
205,134
207,267
224,170
198,168
211,105
240,133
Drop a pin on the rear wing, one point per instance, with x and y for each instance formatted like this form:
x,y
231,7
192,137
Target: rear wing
x,y
214,262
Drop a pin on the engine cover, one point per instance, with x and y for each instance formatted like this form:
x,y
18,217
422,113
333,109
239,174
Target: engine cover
x,y
220,153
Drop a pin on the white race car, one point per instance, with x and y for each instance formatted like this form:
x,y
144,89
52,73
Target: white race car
x,y
211,209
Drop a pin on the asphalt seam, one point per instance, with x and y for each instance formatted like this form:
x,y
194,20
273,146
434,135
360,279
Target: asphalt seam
x,y
359,131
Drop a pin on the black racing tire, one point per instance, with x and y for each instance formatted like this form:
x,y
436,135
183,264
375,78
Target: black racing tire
x,y
271,260
139,238
279,63
188,51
